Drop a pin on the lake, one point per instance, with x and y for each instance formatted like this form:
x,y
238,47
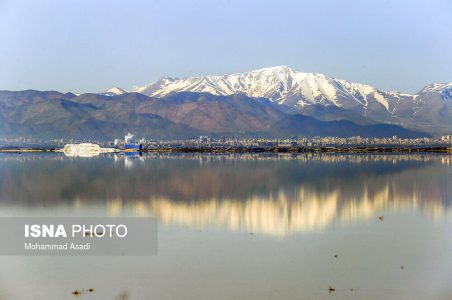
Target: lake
x,y
261,226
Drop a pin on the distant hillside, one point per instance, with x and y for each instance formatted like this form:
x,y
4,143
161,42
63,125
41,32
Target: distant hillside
x,y
57,115
334,113
219,114
179,115
302,126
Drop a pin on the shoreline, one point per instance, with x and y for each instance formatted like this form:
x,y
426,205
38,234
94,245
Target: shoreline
x,y
350,149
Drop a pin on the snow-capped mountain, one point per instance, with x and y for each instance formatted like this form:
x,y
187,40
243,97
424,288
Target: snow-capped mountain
x,y
282,85
288,87
115,91
444,89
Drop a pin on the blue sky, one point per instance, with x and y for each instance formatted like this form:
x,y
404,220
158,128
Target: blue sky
x,y
92,45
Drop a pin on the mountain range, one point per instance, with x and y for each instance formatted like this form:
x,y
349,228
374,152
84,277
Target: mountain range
x,y
428,110
270,102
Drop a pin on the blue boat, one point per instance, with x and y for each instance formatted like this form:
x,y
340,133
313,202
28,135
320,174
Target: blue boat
x,y
130,145
133,147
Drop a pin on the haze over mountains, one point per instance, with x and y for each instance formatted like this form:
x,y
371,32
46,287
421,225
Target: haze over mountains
x,y
270,102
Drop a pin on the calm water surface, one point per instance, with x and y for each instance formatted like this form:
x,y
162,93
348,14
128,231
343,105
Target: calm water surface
x,y
242,227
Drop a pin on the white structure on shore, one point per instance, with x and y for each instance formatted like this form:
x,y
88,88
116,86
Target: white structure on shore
x,y
85,150
446,138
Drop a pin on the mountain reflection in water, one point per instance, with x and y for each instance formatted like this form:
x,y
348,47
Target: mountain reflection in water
x,y
270,194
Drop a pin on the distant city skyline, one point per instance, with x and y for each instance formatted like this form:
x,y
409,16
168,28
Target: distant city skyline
x,y
94,45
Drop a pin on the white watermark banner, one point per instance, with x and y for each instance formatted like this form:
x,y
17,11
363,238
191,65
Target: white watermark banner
x,y
23,236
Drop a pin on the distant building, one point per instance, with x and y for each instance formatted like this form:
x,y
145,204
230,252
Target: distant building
x,y
203,139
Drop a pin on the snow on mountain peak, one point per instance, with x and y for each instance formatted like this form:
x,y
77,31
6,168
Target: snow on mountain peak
x,y
286,86
436,87
280,84
444,89
114,91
